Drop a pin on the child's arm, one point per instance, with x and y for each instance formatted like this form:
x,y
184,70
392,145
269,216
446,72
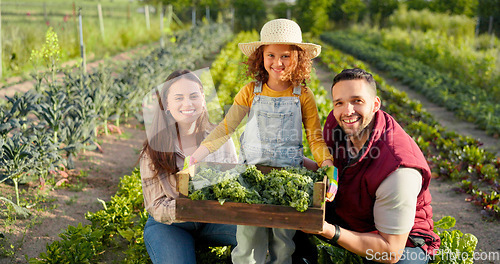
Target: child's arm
x,y
226,127
310,164
314,134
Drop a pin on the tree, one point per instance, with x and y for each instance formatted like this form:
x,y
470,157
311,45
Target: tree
x,y
380,10
417,4
455,7
352,9
313,15
249,14
489,13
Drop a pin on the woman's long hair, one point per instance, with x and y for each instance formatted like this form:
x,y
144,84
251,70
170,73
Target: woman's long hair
x,y
165,161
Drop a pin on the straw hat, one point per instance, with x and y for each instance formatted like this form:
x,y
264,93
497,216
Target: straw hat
x,y
280,31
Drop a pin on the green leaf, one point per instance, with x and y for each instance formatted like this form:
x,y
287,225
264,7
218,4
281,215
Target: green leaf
x,y
103,203
446,222
128,233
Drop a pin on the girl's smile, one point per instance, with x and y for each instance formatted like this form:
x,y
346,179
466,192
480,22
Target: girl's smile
x,y
276,62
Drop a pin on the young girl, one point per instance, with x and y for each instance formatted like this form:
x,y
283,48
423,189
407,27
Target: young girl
x,y
179,123
277,104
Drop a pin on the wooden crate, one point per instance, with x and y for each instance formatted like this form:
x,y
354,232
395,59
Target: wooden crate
x,y
264,215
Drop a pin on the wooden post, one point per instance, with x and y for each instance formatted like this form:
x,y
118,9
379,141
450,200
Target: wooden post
x,y
288,13
162,42
146,14
207,13
101,23
490,26
169,17
478,22
193,17
45,11
82,47
232,18
174,16
128,12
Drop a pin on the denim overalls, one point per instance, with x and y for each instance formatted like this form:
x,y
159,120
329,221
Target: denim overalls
x,y
272,137
273,134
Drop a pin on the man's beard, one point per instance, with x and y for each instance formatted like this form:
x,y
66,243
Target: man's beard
x,y
360,135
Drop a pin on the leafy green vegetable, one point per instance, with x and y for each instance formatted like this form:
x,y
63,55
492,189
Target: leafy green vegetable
x,y
246,184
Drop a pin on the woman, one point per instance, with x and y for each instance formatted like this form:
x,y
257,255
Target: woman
x,y
180,122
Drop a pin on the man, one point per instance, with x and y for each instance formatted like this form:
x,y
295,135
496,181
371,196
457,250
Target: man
x,y
382,209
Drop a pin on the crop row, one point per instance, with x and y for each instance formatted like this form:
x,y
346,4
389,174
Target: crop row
x,y
50,124
456,56
449,154
468,103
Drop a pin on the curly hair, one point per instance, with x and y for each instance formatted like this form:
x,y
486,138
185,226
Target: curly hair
x,y
298,72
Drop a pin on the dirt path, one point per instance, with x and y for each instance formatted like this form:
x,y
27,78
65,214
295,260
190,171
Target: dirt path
x,y
445,201
96,177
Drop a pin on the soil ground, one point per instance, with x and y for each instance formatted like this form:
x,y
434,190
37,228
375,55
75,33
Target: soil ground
x,y
98,175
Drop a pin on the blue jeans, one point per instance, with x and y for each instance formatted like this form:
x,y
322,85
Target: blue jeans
x,y
176,243
411,255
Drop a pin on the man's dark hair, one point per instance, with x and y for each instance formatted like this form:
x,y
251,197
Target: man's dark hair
x,y
355,74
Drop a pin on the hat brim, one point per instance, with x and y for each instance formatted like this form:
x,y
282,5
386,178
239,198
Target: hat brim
x,y
313,50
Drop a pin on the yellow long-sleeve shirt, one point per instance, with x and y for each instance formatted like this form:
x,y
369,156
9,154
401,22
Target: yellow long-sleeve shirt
x,y
241,107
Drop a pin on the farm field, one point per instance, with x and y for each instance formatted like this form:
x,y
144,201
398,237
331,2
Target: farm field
x,y
70,190
106,28
103,170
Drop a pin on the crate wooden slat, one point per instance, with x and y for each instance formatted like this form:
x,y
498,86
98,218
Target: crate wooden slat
x,y
264,215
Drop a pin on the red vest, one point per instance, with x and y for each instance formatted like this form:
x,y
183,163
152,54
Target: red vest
x,y
387,148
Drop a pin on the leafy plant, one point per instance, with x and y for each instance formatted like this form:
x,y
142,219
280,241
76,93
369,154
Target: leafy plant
x,y
81,244
17,159
456,247
77,134
246,184
53,110
48,55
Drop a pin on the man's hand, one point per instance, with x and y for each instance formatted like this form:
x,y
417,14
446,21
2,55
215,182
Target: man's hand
x,y
363,244
327,231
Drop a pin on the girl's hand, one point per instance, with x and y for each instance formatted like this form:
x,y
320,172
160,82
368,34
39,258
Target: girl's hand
x,y
327,163
199,154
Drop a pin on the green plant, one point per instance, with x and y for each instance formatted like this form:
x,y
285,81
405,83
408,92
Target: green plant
x,y
17,159
456,247
48,55
80,244
53,109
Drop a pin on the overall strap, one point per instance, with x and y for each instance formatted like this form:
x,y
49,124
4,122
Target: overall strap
x,y
257,88
297,90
